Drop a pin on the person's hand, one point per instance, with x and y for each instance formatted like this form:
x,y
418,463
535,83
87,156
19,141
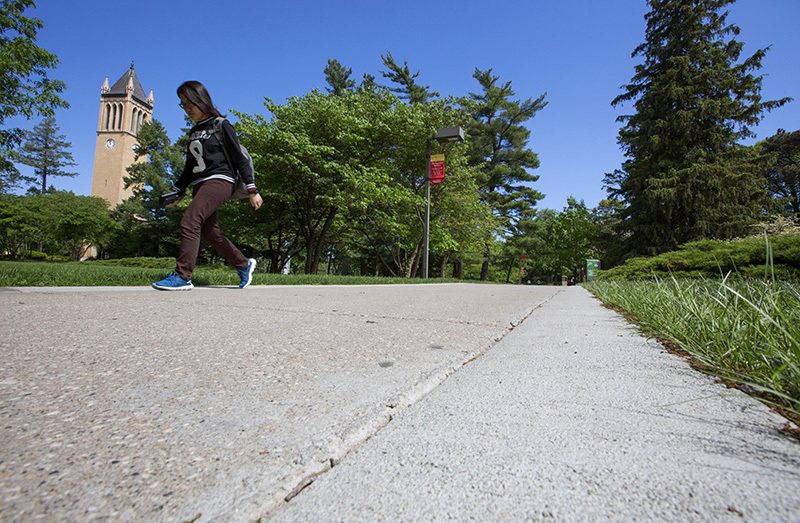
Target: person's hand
x,y
171,198
256,201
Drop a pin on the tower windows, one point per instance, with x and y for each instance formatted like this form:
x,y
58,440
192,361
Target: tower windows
x,y
113,117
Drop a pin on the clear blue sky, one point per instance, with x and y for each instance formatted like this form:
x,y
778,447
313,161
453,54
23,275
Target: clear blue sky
x,y
578,52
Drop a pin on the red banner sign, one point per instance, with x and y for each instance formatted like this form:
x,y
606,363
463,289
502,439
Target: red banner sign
x,y
437,168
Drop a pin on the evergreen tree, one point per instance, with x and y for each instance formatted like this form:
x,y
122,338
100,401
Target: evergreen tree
x,y
606,216
338,77
409,89
368,83
498,146
25,88
150,230
783,173
686,177
47,152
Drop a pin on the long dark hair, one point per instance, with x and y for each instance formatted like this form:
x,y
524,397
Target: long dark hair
x,y
198,95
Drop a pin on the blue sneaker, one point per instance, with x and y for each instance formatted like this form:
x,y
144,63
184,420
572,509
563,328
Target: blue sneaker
x,y
173,282
246,275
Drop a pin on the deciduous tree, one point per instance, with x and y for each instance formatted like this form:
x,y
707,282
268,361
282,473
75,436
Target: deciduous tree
x,y
79,222
25,88
61,220
21,225
346,174
314,156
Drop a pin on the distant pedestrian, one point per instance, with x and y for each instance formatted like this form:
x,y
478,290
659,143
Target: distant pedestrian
x,y
212,179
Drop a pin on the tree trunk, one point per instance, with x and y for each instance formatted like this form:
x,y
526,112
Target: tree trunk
x,y
315,245
414,262
458,269
485,270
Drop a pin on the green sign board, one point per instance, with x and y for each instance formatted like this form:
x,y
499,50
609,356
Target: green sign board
x,y
590,269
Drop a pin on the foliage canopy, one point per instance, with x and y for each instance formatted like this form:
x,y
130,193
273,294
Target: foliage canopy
x,y
25,88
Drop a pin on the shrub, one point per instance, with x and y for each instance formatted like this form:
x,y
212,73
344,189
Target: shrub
x,y
714,258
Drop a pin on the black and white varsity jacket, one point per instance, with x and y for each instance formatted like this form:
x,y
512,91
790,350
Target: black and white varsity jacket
x,y
205,159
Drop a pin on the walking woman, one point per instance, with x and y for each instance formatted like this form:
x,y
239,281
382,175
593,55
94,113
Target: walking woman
x,y
213,180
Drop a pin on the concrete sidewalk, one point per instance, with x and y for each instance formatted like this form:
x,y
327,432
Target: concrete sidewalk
x,y
572,417
129,404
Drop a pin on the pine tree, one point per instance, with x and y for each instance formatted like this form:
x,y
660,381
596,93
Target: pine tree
x,y
498,146
409,89
686,177
151,227
47,152
367,83
338,77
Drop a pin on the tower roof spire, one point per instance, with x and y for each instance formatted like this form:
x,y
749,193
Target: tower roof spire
x,y
129,82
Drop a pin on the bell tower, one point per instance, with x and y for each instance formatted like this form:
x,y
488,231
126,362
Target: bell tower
x,y
123,109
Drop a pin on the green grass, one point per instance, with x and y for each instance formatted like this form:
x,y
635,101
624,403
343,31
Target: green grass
x,y
745,331
148,270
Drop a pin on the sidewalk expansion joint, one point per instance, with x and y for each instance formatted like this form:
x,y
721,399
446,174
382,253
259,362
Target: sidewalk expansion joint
x,y
402,401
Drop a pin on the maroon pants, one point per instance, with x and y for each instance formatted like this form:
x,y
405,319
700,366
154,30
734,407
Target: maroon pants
x,y
200,220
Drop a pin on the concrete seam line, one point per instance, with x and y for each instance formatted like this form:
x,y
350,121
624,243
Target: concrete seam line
x,y
372,424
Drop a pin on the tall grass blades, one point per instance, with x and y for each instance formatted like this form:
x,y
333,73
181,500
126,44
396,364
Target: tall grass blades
x,y
770,263
746,331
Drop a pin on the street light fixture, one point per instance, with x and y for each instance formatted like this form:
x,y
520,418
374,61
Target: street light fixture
x,y
449,134
442,135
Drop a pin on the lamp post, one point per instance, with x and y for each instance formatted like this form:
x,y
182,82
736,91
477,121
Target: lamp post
x,y
442,135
